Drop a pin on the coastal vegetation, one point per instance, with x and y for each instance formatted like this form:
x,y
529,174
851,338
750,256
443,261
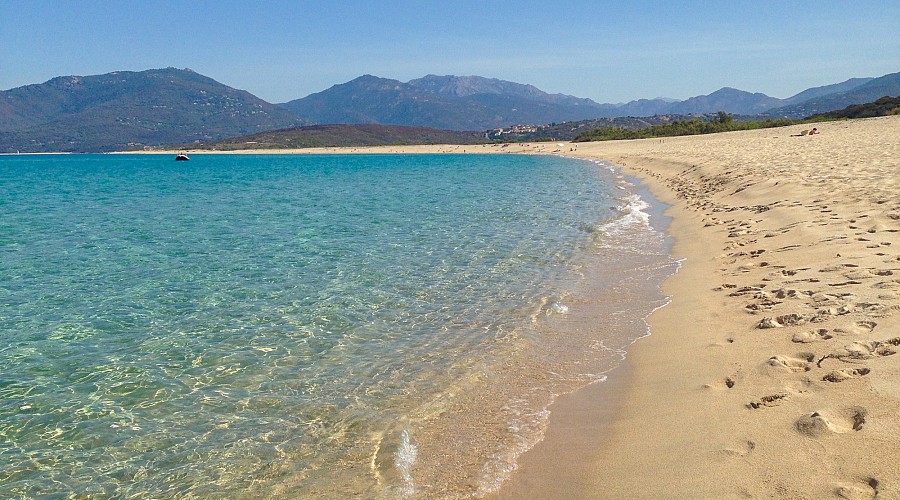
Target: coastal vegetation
x,y
568,130
724,122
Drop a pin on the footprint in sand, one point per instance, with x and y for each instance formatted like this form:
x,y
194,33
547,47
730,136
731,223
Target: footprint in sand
x,y
860,350
823,315
845,374
798,364
726,383
768,401
742,449
739,232
764,305
746,290
858,274
866,326
846,283
865,489
886,285
837,267
821,299
823,423
785,293
858,328
811,336
781,321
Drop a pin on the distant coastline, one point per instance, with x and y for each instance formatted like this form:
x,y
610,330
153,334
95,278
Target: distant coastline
x,y
135,109
42,153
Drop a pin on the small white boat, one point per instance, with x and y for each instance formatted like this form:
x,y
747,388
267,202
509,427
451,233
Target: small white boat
x,y
181,157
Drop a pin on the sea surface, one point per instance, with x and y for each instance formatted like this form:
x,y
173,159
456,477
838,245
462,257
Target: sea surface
x,y
287,326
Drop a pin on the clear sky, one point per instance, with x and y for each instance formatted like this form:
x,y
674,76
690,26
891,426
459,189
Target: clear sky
x,y
607,51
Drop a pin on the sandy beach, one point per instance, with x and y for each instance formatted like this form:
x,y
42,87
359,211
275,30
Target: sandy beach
x,y
534,148
771,374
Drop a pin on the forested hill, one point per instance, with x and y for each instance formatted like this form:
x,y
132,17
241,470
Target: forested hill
x,y
121,109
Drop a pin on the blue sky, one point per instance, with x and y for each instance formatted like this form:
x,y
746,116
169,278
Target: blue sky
x,y
607,51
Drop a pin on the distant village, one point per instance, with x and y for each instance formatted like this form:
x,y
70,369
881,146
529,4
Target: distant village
x,y
512,133
515,129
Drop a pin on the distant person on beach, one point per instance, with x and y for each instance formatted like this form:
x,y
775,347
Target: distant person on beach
x,y
814,131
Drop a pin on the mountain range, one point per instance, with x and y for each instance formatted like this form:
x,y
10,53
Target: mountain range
x,y
128,109
474,103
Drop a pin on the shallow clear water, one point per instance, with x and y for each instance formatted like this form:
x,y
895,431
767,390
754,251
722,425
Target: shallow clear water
x,y
295,326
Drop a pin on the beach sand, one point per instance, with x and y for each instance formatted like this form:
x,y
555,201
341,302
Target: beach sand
x,y
772,373
535,148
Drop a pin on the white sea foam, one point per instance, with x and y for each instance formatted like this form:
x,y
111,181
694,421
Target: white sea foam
x,y
559,308
626,229
404,459
634,209
528,427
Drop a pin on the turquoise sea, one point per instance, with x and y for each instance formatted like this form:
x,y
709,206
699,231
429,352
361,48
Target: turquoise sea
x,y
289,326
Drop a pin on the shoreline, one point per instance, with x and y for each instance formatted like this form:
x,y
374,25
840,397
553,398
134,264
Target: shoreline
x,y
506,148
770,373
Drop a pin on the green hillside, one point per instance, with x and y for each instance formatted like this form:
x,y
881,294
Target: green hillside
x,y
882,107
127,109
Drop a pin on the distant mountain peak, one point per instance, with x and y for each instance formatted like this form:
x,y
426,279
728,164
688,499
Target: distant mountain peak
x,y
730,91
463,86
468,85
